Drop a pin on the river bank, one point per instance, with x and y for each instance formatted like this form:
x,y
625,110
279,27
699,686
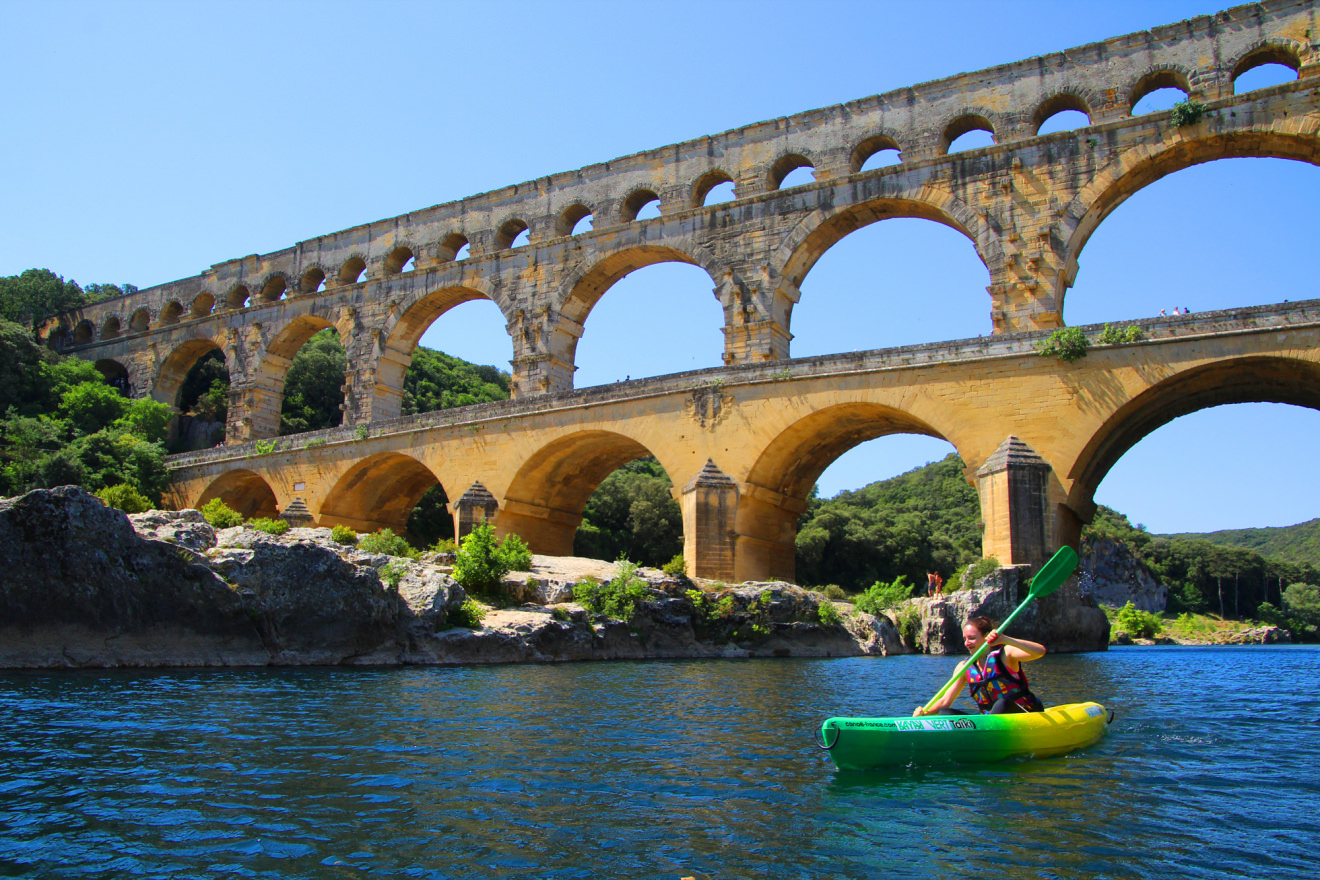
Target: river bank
x,y
86,586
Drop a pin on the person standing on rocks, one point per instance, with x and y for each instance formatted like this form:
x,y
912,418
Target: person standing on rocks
x,y
998,682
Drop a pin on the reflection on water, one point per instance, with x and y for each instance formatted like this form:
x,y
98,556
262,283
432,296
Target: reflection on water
x,y
702,768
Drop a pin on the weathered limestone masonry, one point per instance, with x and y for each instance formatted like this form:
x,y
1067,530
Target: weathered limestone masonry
x,y
745,444
1028,204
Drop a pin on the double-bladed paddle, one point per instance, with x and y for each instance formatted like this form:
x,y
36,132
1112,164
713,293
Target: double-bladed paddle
x,y
1051,575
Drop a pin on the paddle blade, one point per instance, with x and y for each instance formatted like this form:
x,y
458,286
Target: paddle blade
x,y
1053,573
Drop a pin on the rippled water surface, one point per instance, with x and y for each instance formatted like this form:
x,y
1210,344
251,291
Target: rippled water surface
x,y
637,770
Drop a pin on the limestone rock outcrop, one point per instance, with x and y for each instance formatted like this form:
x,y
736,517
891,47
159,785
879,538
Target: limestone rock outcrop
x,y
84,585
1110,571
1065,621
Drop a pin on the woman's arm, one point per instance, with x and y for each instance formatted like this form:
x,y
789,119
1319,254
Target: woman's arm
x,y
1016,651
947,700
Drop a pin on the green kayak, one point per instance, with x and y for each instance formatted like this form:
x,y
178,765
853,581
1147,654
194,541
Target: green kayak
x,y
864,743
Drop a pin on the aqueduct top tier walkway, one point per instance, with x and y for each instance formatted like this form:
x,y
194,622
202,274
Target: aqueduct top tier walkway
x,y
1028,204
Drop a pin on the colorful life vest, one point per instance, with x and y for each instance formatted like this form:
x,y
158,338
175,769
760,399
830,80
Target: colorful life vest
x,y
997,680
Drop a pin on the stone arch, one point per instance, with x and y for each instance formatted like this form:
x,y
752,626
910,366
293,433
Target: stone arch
x,y
970,119
172,312
1271,51
1162,77
784,165
274,287
509,231
203,304
1248,379
141,320
1141,166
779,481
116,375
584,287
311,280
377,492
544,501
702,186
1057,103
396,259
237,297
815,234
110,327
245,491
350,272
634,202
168,381
869,146
402,333
83,332
450,246
571,216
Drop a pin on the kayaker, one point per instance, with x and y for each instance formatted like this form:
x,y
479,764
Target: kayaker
x,y
998,682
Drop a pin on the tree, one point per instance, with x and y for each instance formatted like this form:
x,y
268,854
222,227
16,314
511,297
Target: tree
x,y
313,388
35,295
632,515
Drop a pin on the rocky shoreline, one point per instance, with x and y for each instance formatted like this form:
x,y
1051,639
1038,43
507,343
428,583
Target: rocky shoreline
x,y
84,586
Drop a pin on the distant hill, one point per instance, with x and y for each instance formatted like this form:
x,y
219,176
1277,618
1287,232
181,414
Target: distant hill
x,y
1299,544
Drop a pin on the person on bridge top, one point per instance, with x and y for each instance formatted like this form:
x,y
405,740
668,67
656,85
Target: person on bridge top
x,y
998,681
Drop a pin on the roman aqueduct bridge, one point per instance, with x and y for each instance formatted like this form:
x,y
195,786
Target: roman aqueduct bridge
x,y
745,443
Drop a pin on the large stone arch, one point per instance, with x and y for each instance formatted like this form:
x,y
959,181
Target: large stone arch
x,y
245,491
544,501
265,392
403,332
1248,379
168,381
1141,166
816,233
584,287
775,492
377,492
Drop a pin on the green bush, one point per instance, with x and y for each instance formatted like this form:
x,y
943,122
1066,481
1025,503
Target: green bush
x,y
1270,616
1112,335
481,564
1138,624
676,567
469,615
1187,112
973,573
124,497
1067,344
881,597
221,515
909,622
444,545
835,593
392,572
269,526
385,541
342,534
617,598
828,614
265,447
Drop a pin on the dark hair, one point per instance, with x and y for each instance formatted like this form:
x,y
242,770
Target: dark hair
x,y
982,623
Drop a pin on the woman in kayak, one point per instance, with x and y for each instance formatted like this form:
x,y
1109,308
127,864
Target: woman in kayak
x,y
998,682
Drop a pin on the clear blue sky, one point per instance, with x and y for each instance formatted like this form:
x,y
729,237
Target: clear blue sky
x,y
147,141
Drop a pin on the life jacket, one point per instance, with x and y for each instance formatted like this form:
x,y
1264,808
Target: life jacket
x,y
997,680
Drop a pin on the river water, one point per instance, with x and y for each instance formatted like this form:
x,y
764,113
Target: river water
x,y
701,769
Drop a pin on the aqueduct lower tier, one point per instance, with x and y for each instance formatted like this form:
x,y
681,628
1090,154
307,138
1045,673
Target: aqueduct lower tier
x,y
744,445
1028,204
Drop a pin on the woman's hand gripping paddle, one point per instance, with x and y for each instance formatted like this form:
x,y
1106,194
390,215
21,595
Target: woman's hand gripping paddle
x,y
1051,575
